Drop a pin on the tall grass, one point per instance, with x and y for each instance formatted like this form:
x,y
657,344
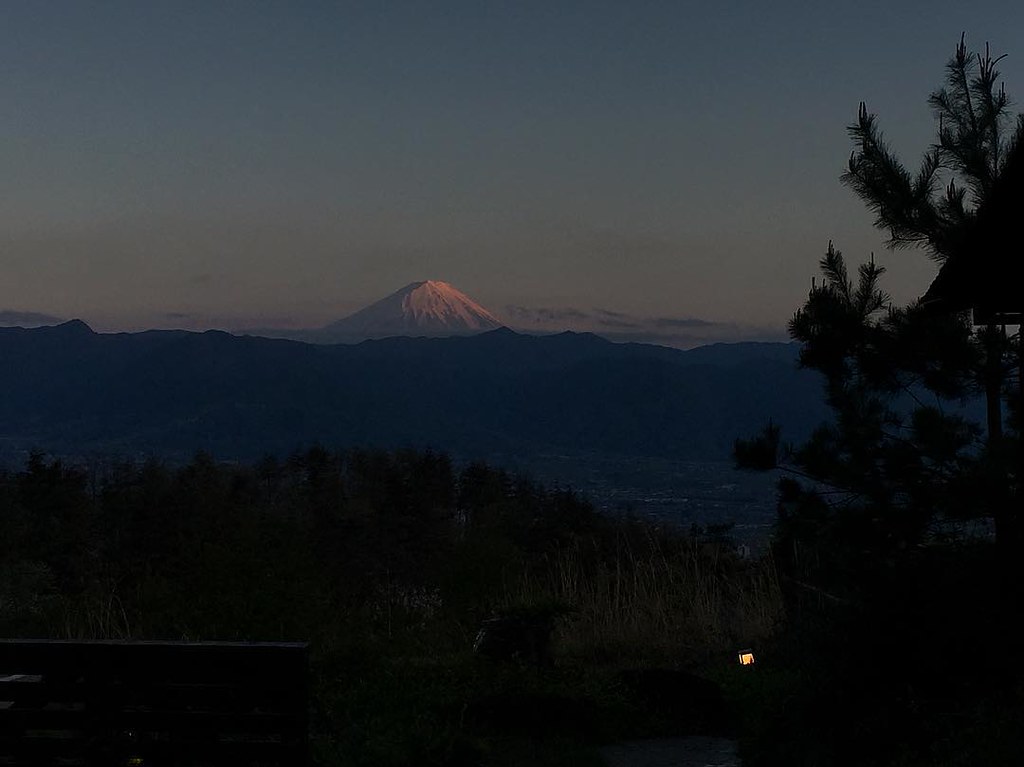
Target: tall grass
x,y
652,596
92,616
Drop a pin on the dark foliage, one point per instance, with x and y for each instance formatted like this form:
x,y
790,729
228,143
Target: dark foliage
x,y
760,452
231,552
895,530
974,138
387,562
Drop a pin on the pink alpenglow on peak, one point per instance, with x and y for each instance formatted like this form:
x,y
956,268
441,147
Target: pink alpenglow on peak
x,y
429,308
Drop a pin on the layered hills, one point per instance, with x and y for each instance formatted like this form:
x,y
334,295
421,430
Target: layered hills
x,y
67,389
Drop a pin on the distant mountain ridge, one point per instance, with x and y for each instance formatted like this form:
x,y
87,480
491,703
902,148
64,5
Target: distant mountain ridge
x,y
169,393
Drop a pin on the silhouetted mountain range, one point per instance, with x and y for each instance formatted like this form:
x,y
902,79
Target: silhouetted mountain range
x,y
68,389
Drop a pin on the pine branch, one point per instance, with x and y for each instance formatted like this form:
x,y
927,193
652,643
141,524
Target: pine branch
x,y
993,105
869,298
902,204
972,112
833,267
952,204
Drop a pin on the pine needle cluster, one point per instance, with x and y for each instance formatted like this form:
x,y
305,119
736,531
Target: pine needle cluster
x,y
975,134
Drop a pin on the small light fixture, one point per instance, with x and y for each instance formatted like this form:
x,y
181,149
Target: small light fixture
x,y
746,657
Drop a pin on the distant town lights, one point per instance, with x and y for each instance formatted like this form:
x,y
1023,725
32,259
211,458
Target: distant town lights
x,y
746,657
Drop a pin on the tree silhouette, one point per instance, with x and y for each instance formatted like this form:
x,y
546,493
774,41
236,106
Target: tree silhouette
x,y
882,537
897,465
976,133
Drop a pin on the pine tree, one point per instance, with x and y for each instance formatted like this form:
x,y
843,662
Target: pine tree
x,y
898,465
975,135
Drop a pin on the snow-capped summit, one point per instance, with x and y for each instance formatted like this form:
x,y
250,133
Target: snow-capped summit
x,y
429,308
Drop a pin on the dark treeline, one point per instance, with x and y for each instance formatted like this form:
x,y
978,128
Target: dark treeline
x,y
279,550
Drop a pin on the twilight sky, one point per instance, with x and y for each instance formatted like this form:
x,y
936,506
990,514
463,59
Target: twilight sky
x,y
668,166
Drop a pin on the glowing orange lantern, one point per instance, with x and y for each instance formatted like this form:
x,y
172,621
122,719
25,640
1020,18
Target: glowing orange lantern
x,y
746,657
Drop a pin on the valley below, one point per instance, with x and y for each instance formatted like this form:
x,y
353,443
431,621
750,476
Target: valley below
x,y
660,491
638,429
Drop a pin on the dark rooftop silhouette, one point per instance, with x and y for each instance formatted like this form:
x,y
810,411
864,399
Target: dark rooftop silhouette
x,y
980,276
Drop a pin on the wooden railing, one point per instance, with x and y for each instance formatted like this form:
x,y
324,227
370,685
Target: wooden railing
x,y
153,704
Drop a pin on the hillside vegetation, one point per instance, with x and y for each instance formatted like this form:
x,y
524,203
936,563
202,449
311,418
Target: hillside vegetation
x,y
387,563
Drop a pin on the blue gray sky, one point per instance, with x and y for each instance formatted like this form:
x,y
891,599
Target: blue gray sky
x,y
247,164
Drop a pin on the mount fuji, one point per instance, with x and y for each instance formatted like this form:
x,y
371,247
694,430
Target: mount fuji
x,y
430,308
